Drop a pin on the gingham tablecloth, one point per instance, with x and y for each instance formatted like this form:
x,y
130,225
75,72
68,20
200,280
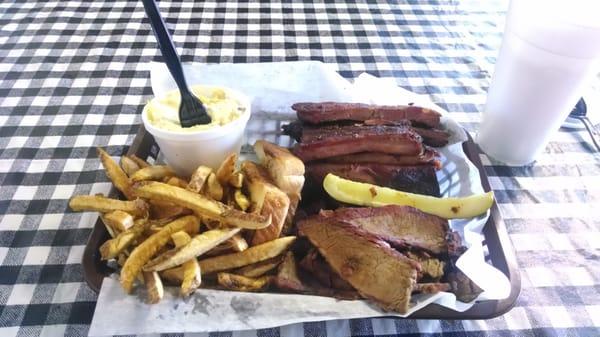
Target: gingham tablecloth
x,y
74,76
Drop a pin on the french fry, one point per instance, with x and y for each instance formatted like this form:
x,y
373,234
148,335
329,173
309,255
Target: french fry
x,y
180,238
214,188
173,276
142,253
156,172
260,268
154,287
241,200
176,181
141,162
227,168
191,270
116,174
241,283
129,166
201,205
236,180
118,220
363,194
121,259
199,178
161,209
251,255
192,277
199,245
111,248
237,243
98,203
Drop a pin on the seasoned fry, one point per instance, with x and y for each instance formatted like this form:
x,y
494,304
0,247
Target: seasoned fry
x,y
154,287
121,259
237,243
191,270
227,168
161,210
116,174
111,248
199,245
192,277
156,172
236,180
372,195
103,204
141,162
118,220
201,205
180,238
176,181
241,200
199,178
251,255
129,166
142,253
173,276
260,268
214,188
242,283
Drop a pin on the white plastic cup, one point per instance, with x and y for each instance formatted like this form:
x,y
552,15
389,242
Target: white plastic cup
x,y
550,52
185,151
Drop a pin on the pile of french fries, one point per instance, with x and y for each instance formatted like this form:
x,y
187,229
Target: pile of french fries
x,y
226,224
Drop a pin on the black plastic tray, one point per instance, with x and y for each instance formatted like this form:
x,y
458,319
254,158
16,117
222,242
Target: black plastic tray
x,y
499,249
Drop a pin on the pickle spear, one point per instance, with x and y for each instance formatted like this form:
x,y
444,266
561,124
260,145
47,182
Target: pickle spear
x,y
363,194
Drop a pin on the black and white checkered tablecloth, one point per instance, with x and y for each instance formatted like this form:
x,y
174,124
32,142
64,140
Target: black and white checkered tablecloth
x,y
74,76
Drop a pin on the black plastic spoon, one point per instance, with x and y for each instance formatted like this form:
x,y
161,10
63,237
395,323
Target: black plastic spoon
x,y
191,109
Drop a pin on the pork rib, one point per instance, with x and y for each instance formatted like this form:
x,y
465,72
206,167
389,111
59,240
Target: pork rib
x,y
353,139
402,226
428,157
316,113
357,256
415,179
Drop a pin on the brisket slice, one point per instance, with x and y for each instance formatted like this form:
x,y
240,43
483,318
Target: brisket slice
x,y
287,275
413,179
353,139
432,268
431,288
370,265
316,265
404,227
316,113
428,157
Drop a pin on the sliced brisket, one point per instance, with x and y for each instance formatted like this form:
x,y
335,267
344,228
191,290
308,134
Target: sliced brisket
x,y
357,256
316,265
402,226
316,113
